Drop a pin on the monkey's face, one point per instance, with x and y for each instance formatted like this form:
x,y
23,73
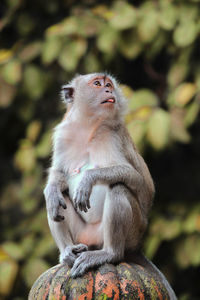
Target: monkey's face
x,y
102,91
94,94
98,94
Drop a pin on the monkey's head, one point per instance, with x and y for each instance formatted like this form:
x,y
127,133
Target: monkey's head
x,y
95,94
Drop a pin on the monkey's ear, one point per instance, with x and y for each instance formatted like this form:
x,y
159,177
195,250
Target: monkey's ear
x,y
68,94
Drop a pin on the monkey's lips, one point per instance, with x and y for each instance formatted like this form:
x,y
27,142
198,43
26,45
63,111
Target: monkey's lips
x,y
109,100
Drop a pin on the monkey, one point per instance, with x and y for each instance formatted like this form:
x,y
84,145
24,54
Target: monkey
x,y
99,189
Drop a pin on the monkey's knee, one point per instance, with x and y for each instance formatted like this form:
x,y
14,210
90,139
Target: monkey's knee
x,y
119,211
120,199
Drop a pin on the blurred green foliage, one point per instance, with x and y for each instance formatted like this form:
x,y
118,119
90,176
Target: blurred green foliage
x,y
153,48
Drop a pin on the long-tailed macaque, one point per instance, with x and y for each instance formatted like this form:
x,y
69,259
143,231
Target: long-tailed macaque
x,y
99,190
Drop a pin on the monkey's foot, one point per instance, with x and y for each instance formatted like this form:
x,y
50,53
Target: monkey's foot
x,y
70,253
91,259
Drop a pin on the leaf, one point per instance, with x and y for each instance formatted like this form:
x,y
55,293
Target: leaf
x,y
103,11
68,26
55,30
188,251
30,205
3,254
13,250
177,73
35,81
166,229
148,25
5,55
178,130
13,5
127,91
8,273
168,15
151,245
71,54
129,45
184,93
191,223
51,49
33,269
91,63
124,16
40,221
143,97
7,93
30,51
185,33
43,149
191,114
33,130
156,47
143,113
89,25
137,130
44,246
107,39
158,130
28,243
25,156
188,12
12,71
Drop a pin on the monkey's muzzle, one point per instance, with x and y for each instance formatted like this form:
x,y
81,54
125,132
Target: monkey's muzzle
x,y
109,100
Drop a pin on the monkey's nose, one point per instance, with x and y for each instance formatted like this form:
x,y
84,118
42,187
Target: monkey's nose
x,y
107,91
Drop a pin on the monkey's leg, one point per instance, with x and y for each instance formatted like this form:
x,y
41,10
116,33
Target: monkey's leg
x,y
117,220
64,233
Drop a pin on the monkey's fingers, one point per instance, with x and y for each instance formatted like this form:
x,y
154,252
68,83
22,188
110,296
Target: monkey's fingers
x,y
55,215
82,203
80,266
88,203
78,249
77,200
62,202
58,218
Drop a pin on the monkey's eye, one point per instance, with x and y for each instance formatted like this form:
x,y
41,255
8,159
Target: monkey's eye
x,y
97,83
108,84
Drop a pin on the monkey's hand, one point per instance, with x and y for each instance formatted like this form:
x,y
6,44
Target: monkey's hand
x,y
81,196
54,200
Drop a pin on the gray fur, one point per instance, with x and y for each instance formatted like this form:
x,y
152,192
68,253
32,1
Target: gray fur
x,y
109,208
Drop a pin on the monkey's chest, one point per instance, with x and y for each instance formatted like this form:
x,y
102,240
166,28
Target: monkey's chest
x,y
97,197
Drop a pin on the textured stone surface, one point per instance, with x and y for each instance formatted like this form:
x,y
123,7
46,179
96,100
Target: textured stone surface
x,y
121,281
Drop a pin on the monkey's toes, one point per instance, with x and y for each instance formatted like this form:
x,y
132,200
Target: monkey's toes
x,y
81,265
79,248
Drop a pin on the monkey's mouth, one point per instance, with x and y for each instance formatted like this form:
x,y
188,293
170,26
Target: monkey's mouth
x,y
109,100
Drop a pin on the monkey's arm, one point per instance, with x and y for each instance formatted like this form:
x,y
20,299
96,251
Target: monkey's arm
x,y
125,174
53,194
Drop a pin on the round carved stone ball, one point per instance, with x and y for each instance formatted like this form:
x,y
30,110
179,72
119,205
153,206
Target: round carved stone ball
x,y
120,281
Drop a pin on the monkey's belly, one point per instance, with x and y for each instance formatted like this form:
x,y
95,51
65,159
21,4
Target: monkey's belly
x,y
91,235
97,197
